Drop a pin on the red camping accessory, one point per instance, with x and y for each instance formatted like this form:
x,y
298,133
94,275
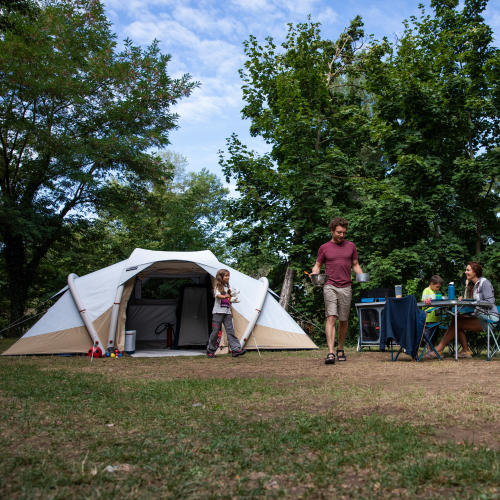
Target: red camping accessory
x,y
94,352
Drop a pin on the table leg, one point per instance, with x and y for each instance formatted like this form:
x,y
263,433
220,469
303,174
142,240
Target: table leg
x,y
456,333
488,355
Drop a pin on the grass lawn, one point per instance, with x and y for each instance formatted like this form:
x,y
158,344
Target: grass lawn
x,y
283,425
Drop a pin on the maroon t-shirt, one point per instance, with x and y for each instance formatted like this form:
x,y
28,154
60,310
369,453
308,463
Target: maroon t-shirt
x,y
338,261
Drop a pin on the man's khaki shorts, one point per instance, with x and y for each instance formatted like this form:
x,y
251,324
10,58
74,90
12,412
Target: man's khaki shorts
x,y
337,301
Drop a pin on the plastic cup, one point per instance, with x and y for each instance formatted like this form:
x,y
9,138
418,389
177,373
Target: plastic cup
x,y
398,291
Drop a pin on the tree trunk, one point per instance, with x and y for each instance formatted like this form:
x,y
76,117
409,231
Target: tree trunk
x,y
18,282
478,238
286,289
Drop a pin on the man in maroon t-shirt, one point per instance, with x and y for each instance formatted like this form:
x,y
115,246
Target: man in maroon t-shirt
x,y
338,255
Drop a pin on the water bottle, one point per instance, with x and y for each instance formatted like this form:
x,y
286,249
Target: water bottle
x,y
451,291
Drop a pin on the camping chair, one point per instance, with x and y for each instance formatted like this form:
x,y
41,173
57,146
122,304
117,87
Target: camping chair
x,y
402,322
494,334
429,332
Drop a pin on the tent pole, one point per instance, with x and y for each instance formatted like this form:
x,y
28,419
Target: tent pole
x,y
81,309
256,313
114,317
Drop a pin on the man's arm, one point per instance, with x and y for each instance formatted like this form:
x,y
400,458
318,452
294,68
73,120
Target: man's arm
x,y
357,267
316,268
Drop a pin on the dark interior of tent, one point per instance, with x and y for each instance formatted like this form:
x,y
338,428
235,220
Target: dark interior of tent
x,y
169,309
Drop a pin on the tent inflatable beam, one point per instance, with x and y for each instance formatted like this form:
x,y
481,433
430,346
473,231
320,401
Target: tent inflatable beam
x,y
81,309
256,313
114,317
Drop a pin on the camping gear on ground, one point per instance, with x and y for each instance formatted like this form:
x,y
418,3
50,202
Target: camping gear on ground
x,y
130,341
168,329
362,277
94,352
151,287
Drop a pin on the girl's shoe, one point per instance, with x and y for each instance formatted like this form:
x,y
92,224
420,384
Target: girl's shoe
x,y
465,354
235,354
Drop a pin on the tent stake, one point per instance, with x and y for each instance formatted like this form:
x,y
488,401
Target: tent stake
x,y
257,347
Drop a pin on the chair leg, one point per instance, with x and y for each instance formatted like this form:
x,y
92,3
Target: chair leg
x,y
395,357
428,346
496,339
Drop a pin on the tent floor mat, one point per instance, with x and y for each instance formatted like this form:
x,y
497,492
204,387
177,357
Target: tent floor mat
x,y
160,353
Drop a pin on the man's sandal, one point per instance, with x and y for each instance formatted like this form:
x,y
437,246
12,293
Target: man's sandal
x,y
341,355
330,359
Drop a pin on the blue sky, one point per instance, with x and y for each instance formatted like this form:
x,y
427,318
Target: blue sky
x,y
205,39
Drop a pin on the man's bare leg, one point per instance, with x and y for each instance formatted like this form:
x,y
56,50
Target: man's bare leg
x,y
342,334
330,332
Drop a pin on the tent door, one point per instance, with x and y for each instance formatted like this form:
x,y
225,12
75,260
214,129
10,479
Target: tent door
x,y
194,321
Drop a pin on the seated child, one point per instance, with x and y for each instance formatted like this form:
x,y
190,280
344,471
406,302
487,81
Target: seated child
x,y
430,294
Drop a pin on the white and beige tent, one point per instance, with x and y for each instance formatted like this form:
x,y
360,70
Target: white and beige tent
x,y
147,293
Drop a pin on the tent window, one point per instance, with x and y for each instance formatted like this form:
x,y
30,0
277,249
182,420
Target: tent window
x,y
163,288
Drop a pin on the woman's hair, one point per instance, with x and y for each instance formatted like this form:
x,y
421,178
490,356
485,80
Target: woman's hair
x,y
436,280
478,270
219,283
476,267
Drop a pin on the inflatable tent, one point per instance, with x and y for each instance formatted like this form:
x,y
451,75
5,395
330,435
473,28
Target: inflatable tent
x,y
165,297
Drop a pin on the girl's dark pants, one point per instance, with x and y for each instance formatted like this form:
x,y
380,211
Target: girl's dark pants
x,y
217,320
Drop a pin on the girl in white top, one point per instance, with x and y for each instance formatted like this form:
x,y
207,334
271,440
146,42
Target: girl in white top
x,y
221,314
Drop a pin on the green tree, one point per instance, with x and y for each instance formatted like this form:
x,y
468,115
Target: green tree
x,y
178,211
73,113
304,99
436,123
401,138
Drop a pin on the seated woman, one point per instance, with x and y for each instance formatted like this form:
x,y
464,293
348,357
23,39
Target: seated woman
x,y
482,290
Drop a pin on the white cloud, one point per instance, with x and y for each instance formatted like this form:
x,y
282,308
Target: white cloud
x,y
205,39
327,16
169,32
215,100
388,20
254,5
492,18
303,8
209,22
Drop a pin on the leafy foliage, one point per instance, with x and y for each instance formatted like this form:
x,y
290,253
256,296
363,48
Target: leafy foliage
x,y
303,100
74,113
400,138
178,211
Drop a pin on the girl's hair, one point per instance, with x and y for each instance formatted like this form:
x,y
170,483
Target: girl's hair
x,y
436,280
219,284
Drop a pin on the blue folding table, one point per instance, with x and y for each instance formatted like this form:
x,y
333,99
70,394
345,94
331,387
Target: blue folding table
x,y
455,307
